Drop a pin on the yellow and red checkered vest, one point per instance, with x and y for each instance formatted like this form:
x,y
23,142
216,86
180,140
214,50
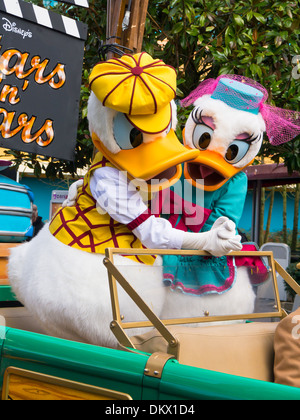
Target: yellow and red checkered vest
x,y
83,227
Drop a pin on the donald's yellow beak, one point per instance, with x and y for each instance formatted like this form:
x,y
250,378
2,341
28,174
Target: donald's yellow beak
x,y
157,162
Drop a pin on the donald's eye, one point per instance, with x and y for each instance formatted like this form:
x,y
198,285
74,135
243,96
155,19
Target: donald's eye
x,y
202,136
136,137
126,135
236,151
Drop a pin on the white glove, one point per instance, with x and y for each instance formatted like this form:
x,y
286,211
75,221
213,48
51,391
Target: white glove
x,y
218,241
72,194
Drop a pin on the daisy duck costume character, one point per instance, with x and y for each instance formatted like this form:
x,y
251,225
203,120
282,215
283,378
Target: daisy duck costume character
x,y
226,125
59,276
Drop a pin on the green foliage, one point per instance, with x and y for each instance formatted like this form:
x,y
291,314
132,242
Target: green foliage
x,y
290,152
256,38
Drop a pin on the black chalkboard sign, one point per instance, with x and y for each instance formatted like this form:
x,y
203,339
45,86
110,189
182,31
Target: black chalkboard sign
x,y
41,55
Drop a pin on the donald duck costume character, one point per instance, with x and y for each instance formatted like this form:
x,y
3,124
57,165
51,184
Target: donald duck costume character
x,y
226,126
59,275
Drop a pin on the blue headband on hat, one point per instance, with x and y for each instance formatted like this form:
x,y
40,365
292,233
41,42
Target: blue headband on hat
x,y
238,95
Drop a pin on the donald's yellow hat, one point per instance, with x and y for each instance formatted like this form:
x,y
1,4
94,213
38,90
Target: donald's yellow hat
x,y
138,86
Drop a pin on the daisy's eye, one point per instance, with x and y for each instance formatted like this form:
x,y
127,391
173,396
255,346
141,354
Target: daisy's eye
x,y
236,151
202,136
126,135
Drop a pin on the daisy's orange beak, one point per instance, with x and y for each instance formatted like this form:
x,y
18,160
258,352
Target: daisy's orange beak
x,y
209,171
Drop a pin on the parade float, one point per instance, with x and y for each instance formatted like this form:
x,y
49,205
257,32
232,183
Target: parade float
x,y
157,358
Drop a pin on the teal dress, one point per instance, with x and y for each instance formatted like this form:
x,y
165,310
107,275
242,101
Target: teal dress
x,y
194,210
